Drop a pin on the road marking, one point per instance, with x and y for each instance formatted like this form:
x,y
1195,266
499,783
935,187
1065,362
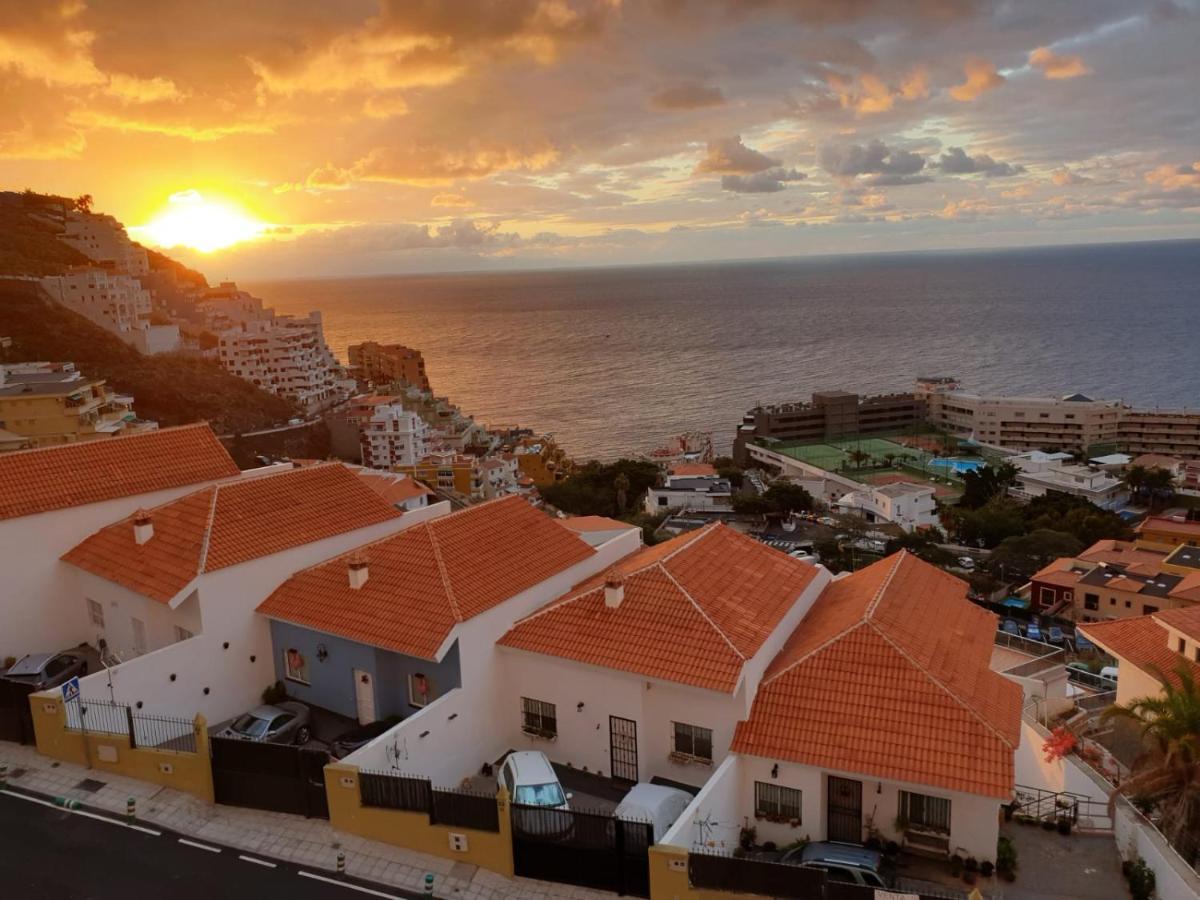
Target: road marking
x,y
258,862
200,846
346,884
82,812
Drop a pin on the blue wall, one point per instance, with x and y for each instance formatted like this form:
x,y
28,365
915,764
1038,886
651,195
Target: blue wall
x,y
332,681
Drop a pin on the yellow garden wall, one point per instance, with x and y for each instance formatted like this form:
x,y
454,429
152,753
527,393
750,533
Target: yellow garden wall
x,y
184,771
412,830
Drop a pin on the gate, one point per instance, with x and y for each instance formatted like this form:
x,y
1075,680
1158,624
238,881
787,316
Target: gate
x,y
622,745
844,810
16,720
278,777
592,850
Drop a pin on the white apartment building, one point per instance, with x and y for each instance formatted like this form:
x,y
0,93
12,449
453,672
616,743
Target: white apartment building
x,y
908,505
103,239
1041,473
117,303
228,306
393,436
285,355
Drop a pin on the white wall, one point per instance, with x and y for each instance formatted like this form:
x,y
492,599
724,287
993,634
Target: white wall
x,y
224,669
121,605
713,818
1174,879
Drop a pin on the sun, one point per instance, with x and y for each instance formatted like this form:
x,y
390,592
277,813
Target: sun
x,y
189,220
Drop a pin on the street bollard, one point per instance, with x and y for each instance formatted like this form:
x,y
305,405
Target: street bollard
x,y
3,775
428,884
66,803
131,809
341,862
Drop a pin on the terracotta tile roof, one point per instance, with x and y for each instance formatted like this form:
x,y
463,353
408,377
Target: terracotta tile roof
x,y
393,488
49,478
422,581
694,470
1140,641
1175,526
695,608
593,523
230,523
1189,588
1121,552
888,675
1185,619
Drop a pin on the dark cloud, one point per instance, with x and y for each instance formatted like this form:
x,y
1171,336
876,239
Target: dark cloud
x,y
768,181
729,156
956,162
874,158
690,95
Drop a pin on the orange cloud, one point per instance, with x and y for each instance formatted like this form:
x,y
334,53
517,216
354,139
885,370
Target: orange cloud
x,y
1054,66
871,94
451,200
981,78
1174,178
129,89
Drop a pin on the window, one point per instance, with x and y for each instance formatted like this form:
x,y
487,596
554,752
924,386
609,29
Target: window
x,y
1091,601
96,612
1147,609
539,718
181,633
1182,646
295,666
776,801
693,741
1047,596
419,691
139,635
925,813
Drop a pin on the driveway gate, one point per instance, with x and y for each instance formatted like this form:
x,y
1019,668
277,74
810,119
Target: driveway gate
x,y
593,850
278,777
16,720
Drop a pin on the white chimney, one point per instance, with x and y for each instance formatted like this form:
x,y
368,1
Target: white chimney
x,y
143,527
357,567
614,589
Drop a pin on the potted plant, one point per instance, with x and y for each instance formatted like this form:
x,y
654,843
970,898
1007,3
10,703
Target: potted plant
x,y
956,865
747,837
986,868
1006,859
1049,824
1010,810
1142,880
971,864
1064,825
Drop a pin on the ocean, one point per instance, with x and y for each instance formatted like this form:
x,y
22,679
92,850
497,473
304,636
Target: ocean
x,y
615,361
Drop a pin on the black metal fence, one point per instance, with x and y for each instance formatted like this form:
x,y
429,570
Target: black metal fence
x,y
723,872
462,809
280,777
149,732
16,720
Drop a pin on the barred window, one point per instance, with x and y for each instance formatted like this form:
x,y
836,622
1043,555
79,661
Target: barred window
x,y
693,741
925,813
775,800
539,717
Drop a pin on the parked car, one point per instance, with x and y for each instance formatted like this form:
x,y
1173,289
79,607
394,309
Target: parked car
x,y
1054,635
349,741
845,863
532,782
286,723
1082,644
46,670
654,803
966,562
1111,673
827,521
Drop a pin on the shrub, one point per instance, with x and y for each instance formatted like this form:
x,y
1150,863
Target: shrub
x,y
971,864
275,693
747,837
1064,825
1006,856
1141,880
986,868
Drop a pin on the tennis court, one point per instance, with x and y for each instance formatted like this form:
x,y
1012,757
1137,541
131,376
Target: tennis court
x,y
879,453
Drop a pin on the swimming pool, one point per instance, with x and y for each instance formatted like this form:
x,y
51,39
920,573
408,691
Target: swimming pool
x,y
958,465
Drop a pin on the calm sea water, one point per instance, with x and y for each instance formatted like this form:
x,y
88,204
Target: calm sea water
x,y
614,361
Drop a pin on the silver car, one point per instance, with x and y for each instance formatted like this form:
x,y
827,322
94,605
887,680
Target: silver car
x,y
46,670
286,723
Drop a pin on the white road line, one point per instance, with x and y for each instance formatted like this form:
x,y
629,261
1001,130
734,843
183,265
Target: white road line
x,y
82,812
258,862
346,884
200,846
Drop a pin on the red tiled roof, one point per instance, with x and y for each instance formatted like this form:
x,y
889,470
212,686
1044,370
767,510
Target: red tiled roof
x,y
1121,552
49,478
1185,619
229,523
424,580
695,608
1178,526
593,523
393,488
888,675
1142,642
692,469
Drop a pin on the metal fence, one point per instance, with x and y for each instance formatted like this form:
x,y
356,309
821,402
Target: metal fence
x,y
725,872
462,809
386,791
151,732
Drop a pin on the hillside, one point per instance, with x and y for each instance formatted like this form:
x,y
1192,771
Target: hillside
x,y
170,388
28,245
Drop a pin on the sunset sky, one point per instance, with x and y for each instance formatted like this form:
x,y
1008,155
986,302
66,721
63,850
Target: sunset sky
x,y
363,137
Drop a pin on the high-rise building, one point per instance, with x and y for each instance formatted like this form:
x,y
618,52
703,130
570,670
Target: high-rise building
x,y
116,302
392,436
383,364
285,355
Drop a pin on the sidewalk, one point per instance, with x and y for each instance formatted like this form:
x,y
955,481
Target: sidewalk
x,y
309,842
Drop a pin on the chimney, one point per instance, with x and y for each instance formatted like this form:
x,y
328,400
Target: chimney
x,y
614,589
143,527
357,567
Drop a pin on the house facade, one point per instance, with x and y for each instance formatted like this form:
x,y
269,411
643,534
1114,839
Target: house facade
x,y
910,506
1149,650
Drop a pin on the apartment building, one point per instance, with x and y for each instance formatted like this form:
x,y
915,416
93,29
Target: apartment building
x,y
227,306
390,435
1160,431
830,414
286,355
116,302
541,459
45,404
103,239
910,506
1040,473
389,363
447,470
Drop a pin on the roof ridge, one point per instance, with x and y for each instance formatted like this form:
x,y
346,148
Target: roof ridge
x,y
441,564
208,527
700,534
875,600
937,681
700,610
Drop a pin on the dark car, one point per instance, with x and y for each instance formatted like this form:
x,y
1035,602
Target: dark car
x,y
46,670
846,863
349,741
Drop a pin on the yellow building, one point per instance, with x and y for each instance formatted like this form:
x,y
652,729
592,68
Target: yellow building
x,y
1161,533
542,460
454,472
44,404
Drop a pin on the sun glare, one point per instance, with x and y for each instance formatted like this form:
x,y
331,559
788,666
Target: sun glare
x,y
205,225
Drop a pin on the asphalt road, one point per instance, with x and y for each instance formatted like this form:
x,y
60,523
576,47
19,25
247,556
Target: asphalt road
x,y
47,852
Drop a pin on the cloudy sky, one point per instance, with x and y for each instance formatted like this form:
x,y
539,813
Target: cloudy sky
x,y
374,136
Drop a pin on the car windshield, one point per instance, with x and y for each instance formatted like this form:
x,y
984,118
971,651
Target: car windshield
x,y
540,794
249,725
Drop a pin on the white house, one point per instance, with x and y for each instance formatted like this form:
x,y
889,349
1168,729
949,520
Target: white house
x,y
172,590
908,505
403,492
1041,473
54,497
646,670
692,486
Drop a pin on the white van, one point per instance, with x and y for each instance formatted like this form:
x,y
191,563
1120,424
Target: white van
x,y
654,803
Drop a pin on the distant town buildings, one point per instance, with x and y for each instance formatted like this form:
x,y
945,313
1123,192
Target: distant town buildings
x,y
285,355
1040,473
44,404
691,486
541,460
116,302
383,364
451,472
103,239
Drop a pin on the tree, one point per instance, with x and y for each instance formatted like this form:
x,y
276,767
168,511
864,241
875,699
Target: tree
x,y
729,470
1018,557
983,484
859,458
999,518
1169,772
1135,480
787,497
621,483
1160,485
591,489
83,203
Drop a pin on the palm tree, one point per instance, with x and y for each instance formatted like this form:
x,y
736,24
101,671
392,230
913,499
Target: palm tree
x,y
1169,771
621,483
858,457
